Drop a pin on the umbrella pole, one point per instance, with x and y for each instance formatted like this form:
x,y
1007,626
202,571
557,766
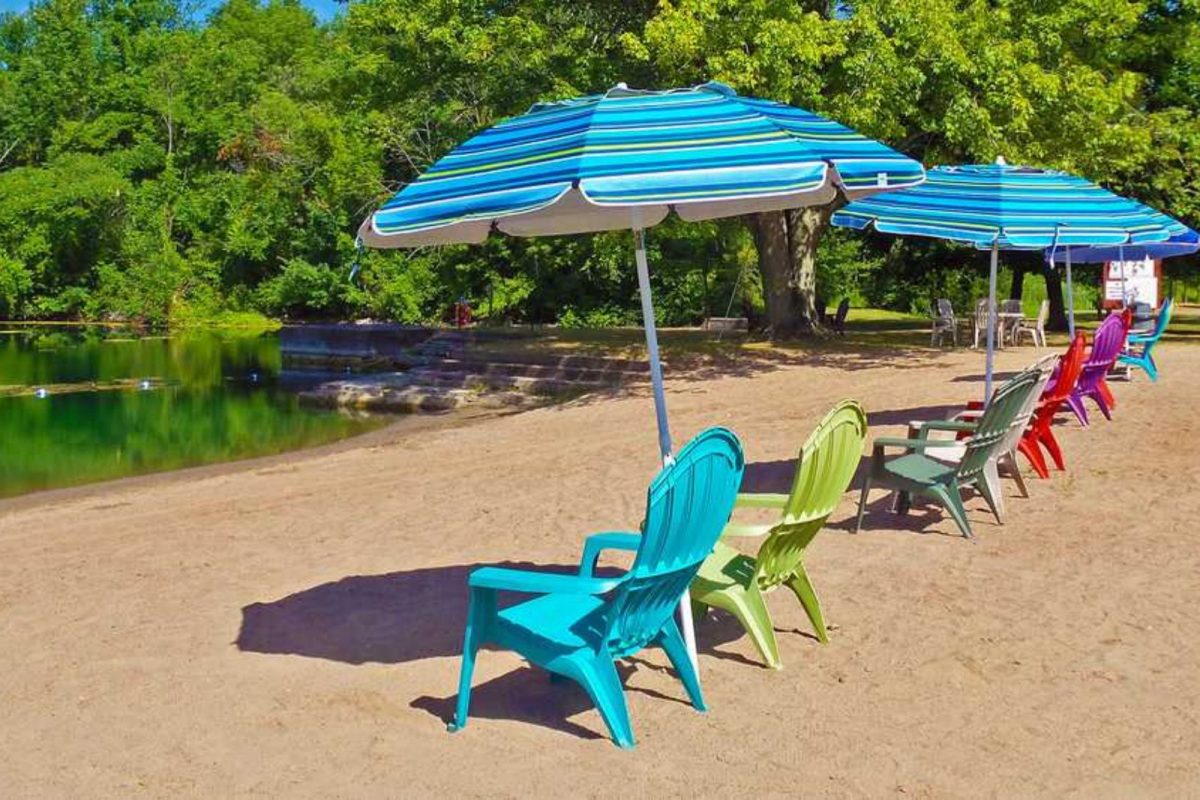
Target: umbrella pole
x,y
660,412
656,379
1070,299
1124,288
991,331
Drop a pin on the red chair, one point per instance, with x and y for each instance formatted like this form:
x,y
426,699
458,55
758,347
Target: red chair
x,y
1040,434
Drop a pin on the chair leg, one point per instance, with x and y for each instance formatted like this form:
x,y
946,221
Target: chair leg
x,y
1033,454
599,678
671,641
862,502
1050,442
990,490
751,612
1104,403
803,589
481,607
951,500
1075,402
1014,471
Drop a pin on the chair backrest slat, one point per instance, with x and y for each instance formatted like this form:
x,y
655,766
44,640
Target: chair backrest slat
x,y
1160,327
1066,374
1106,347
828,460
687,506
996,422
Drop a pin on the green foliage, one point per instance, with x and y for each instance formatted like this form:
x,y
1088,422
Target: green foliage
x,y
162,168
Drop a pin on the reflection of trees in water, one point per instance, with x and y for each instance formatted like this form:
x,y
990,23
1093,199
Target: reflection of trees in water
x,y
201,418
196,360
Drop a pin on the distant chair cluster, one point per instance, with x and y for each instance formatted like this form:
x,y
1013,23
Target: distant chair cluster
x,y
1011,324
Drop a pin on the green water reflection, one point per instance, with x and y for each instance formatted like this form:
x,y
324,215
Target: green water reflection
x,y
225,397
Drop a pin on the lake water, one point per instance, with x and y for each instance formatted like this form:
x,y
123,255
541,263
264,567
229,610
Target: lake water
x,y
158,403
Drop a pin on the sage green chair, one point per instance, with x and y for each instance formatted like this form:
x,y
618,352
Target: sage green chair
x,y
916,472
1004,460
735,582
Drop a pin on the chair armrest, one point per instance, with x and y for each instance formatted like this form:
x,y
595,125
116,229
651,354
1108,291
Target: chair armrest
x,y
609,540
1139,338
735,529
761,500
519,580
960,426
912,444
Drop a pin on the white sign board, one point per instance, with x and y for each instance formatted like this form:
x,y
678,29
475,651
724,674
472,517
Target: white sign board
x,y
1132,282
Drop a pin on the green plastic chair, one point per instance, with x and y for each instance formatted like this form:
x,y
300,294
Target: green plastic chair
x,y
576,626
1004,461
736,582
918,473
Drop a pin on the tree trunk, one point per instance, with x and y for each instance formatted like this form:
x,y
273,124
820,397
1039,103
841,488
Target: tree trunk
x,y
805,228
1017,288
1054,292
787,259
774,262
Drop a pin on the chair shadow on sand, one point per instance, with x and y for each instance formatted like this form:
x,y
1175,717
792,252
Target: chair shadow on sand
x,y
400,617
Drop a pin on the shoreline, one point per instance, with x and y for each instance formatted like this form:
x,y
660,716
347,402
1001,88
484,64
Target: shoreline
x,y
387,435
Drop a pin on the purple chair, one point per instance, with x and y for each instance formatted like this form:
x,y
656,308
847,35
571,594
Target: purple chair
x,y
1106,347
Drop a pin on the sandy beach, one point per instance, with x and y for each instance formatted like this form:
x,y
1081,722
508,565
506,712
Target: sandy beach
x,y
293,627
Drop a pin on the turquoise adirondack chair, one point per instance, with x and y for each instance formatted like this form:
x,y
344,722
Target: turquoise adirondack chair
x,y
918,473
1142,358
736,582
579,625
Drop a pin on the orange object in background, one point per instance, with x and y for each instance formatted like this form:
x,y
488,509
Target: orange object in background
x,y
462,313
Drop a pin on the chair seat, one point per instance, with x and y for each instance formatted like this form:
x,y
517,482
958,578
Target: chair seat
x,y
951,454
920,469
726,568
561,620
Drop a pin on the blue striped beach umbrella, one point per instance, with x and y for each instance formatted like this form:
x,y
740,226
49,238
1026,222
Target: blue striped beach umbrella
x,y
1001,207
1181,244
624,160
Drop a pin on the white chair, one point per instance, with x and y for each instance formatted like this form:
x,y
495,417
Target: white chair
x,y
1036,328
944,322
1010,315
981,322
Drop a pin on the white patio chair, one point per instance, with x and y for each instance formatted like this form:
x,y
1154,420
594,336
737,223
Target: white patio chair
x,y
1036,328
944,322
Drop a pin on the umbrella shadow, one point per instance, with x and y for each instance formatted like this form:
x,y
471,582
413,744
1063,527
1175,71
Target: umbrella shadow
x,y
997,377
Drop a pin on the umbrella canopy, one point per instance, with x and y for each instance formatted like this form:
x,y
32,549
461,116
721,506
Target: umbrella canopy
x,y
1001,207
626,159
1183,244
1012,207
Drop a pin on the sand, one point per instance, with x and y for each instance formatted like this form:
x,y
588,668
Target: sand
x,y
292,627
